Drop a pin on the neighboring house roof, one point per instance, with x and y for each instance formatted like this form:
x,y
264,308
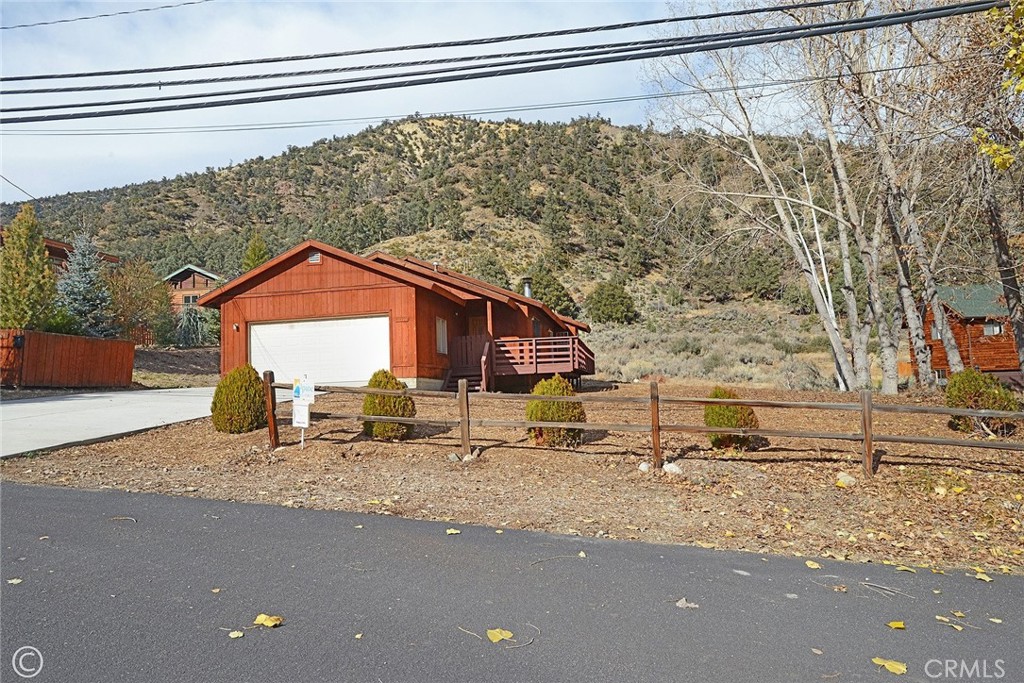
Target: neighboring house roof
x,y
215,298
975,301
60,250
471,284
187,267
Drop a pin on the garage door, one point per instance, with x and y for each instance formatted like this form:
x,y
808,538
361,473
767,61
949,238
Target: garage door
x,y
342,352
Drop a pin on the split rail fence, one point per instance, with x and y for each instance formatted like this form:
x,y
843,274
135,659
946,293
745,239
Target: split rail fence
x,y
464,400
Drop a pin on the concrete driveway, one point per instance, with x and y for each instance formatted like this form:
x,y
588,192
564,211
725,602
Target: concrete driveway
x,y
36,424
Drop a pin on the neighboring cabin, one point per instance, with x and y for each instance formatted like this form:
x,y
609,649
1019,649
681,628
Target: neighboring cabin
x,y
188,283
336,317
980,322
58,253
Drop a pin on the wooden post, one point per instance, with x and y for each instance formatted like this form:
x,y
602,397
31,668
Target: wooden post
x,y
869,452
464,415
270,401
656,426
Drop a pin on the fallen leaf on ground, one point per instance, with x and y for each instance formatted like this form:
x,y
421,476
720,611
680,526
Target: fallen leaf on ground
x,y
817,651
994,620
496,635
268,621
812,564
14,582
897,625
452,532
944,620
937,571
683,603
891,665
958,627
982,576
236,634
359,636
582,554
958,614
904,568
215,590
499,531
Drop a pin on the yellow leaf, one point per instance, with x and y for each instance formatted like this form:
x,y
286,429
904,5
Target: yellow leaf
x,y
582,554
496,635
812,564
937,571
14,582
904,568
977,569
215,590
236,634
498,531
944,620
359,636
957,614
729,534
359,526
982,576
958,489
373,502
994,620
268,621
452,532
897,625
891,665
840,484
958,627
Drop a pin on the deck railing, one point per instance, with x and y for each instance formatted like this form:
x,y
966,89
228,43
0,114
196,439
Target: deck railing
x,y
542,355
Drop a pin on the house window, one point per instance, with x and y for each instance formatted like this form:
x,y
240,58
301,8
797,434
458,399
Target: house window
x,y
441,327
935,332
314,257
993,329
189,300
536,327
940,376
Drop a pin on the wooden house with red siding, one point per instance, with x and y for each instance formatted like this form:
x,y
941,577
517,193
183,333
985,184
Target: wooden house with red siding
x,y
336,318
980,322
58,253
188,283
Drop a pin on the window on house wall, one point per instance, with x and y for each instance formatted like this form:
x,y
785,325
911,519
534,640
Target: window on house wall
x,y
536,327
441,327
993,329
940,375
189,299
314,257
935,332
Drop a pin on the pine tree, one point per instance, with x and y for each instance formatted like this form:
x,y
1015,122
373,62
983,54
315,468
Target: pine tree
x,y
256,254
82,290
28,286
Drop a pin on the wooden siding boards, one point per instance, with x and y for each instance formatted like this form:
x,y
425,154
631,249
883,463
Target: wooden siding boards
x,y
60,360
988,353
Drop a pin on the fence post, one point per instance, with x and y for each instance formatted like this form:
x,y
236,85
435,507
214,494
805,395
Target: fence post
x,y
270,401
865,413
656,426
464,415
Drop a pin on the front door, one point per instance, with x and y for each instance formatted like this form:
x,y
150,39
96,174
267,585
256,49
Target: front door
x,y
477,325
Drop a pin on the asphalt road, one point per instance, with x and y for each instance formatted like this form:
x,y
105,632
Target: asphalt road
x,y
119,587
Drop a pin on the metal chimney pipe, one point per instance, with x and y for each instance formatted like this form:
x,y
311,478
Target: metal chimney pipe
x,y
528,287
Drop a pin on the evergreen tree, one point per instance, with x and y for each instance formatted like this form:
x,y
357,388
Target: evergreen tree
x,y
256,254
486,267
82,290
610,302
27,283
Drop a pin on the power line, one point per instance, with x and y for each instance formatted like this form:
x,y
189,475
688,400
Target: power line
x,y
431,46
12,184
103,16
228,128
793,33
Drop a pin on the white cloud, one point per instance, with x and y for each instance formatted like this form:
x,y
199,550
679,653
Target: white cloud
x,y
226,30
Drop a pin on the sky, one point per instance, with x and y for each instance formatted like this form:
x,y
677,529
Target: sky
x,y
49,158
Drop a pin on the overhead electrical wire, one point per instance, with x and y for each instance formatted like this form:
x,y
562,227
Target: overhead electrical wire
x,y
790,33
227,128
432,46
103,16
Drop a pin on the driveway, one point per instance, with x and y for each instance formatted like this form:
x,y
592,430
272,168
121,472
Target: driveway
x,y
114,586
42,423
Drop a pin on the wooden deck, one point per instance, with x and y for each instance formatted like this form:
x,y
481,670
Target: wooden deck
x,y
480,359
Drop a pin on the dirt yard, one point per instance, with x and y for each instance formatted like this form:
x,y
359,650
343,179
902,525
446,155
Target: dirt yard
x,y
947,507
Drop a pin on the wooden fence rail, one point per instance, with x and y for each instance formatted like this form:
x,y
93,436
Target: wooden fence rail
x,y
464,401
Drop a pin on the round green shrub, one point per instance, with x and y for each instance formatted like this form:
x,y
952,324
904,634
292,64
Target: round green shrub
x,y
555,411
388,406
238,402
733,417
611,303
975,390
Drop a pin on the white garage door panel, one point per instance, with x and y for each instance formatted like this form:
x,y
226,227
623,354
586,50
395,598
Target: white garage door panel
x,y
342,352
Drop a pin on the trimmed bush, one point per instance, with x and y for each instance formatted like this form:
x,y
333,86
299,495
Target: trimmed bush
x,y
238,403
611,303
555,411
387,406
975,390
733,417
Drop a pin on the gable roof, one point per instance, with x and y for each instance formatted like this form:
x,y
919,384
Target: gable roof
x,y
189,266
975,301
480,287
56,249
216,297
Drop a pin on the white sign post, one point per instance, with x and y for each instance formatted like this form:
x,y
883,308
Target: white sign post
x,y
302,399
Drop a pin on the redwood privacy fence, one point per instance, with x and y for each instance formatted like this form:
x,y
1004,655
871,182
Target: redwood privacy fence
x,y
464,400
29,358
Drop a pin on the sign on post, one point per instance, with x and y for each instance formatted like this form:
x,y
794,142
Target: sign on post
x,y
302,399
300,416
